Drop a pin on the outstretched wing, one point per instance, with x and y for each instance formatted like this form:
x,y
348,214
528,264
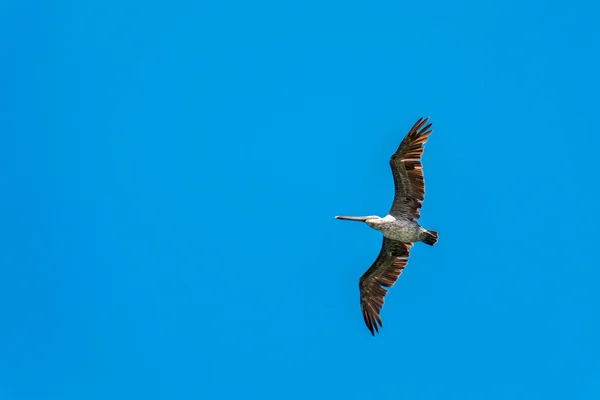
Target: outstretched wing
x,y
408,172
384,272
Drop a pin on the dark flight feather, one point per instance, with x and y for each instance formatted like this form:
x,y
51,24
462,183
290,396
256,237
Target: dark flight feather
x,y
384,272
407,170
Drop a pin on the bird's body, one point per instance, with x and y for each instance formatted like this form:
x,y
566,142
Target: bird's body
x,y
400,228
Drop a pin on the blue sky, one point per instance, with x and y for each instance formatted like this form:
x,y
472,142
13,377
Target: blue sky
x,y
170,173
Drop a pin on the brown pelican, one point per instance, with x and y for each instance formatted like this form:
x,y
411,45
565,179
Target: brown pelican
x,y
400,227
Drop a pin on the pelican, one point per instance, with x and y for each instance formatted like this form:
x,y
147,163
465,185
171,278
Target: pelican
x,y
400,227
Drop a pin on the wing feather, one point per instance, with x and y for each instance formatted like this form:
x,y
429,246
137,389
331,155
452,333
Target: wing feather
x,y
407,169
384,272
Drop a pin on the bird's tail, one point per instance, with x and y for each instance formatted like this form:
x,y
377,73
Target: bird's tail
x,y
429,237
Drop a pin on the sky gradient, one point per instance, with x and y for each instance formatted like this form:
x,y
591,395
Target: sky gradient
x,y
171,172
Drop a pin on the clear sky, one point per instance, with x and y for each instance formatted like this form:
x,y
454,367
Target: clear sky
x,y
170,173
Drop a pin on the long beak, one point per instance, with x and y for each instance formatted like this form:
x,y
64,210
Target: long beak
x,y
361,219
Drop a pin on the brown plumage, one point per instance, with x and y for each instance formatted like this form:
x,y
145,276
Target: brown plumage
x,y
408,172
386,269
400,227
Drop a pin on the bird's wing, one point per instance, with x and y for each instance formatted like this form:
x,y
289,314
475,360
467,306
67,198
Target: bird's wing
x,y
408,172
384,272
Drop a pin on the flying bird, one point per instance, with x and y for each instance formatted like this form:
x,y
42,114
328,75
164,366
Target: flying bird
x,y
400,227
